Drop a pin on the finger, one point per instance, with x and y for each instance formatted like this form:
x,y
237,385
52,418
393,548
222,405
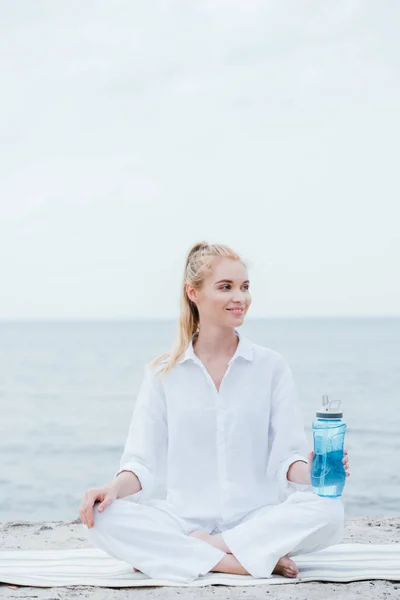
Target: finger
x,y
106,502
86,508
82,509
84,518
89,513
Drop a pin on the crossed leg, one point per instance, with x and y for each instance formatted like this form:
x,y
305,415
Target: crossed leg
x,y
264,540
160,545
230,564
152,539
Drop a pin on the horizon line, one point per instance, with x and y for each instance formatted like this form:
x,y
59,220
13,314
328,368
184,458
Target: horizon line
x,y
174,319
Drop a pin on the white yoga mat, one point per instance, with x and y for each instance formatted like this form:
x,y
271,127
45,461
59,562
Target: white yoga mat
x,y
91,566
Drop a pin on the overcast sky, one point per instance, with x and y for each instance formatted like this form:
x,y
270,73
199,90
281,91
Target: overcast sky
x,y
130,130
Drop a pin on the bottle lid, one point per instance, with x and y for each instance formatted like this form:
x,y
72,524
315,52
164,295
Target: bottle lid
x,y
327,412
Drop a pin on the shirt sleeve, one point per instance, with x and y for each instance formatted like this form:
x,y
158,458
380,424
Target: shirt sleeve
x,y
145,451
287,440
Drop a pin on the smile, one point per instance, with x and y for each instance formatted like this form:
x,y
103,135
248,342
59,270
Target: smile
x,y
236,311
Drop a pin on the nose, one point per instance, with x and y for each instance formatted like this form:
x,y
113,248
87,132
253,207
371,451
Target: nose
x,y
238,296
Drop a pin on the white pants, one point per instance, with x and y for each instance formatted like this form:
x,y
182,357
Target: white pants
x,y
155,540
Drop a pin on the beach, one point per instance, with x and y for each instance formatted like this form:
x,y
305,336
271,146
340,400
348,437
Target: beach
x,y
30,535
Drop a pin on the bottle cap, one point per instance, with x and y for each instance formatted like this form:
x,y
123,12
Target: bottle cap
x,y
327,412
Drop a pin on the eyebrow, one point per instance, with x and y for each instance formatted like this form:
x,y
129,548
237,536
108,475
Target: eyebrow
x,y
229,281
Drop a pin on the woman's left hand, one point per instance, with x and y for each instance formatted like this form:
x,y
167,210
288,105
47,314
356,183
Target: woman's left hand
x,y
345,462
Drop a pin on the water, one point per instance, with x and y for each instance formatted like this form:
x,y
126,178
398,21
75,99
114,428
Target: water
x,y
67,391
328,473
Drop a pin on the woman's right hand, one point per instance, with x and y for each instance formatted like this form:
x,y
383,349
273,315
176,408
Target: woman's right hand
x,y
105,495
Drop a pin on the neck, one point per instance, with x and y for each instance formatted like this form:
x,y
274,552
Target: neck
x,y
215,342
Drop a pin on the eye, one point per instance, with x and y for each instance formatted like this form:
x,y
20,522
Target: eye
x,y
227,286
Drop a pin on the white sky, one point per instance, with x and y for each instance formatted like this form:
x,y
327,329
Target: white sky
x,y
130,130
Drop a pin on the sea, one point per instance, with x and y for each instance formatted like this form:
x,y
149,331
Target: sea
x,y
68,389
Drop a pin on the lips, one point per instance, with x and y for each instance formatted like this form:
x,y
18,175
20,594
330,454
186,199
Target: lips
x,y
236,311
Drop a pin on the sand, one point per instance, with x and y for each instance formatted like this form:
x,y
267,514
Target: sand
x,y
26,535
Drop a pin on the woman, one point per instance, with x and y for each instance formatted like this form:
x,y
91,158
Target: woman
x,y
218,424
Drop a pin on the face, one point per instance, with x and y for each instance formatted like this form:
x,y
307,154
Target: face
x,y
224,297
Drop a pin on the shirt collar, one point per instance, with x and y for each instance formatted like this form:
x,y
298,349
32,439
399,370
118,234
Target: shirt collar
x,y
244,349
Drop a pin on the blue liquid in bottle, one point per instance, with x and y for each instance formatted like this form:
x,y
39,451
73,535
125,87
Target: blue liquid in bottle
x,y
328,475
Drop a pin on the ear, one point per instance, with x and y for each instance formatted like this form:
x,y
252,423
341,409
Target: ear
x,y
191,292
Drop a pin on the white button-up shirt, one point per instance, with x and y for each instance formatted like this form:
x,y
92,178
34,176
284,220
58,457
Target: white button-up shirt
x,y
218,454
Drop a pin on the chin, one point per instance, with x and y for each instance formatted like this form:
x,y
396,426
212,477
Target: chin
x,y
236,320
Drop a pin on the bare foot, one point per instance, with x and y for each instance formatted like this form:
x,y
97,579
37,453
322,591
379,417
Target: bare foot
x,y
286,567
214,540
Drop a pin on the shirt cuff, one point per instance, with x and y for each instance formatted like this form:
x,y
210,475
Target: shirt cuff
x,y
286,487
143,474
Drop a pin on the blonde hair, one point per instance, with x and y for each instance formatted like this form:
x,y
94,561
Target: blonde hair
x,y
198,259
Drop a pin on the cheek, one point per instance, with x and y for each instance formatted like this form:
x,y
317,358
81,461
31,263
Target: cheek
x,y
218,301
213,303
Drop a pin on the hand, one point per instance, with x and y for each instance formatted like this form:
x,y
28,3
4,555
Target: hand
x,y
105,495
345,462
